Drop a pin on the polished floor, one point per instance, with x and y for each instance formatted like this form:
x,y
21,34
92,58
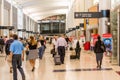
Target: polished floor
x,y
83,69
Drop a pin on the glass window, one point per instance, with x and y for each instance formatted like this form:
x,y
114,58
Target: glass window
x,y
45,28
55,27
62,28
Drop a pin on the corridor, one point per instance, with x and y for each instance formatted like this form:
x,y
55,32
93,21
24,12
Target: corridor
x,y
83,69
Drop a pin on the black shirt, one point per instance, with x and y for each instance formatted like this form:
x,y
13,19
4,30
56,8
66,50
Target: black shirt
x,y
31,47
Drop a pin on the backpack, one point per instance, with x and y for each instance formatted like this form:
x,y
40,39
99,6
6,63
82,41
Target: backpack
x,y
7,46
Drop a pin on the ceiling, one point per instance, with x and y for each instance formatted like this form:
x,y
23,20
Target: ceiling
x,y
39,9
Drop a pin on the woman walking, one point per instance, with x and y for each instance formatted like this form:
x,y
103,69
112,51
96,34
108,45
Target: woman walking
x,y
32,49
99,50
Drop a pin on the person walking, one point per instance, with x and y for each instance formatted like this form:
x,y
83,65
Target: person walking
x,y
99,49
1,44
16,51
42,46
7,51
78,49
54,42
61,44
32,49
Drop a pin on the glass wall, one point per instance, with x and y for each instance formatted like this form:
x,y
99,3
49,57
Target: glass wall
x,y
52,27
45,28
55,27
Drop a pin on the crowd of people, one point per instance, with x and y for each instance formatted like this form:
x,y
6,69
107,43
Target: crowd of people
x,y
33,48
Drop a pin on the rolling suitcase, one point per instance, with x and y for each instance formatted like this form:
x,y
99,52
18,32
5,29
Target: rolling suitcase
x,y
72,56
57,59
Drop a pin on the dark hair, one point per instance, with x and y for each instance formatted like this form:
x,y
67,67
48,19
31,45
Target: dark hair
x,y
99,37
21,38
15,36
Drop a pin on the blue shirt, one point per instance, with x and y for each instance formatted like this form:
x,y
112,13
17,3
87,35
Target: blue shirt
x,y
16,47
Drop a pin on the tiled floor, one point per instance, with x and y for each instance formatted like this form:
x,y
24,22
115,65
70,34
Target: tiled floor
x,y
83,69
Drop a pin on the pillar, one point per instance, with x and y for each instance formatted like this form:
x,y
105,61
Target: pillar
x,y
87,5
118,39
104,8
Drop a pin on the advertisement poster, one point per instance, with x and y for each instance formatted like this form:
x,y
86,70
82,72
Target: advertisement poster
x,y
107,39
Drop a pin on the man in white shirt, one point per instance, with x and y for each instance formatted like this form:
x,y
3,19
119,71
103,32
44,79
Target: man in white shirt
x,y
61,44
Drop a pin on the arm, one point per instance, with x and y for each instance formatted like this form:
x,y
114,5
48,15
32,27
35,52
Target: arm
x,y
23,55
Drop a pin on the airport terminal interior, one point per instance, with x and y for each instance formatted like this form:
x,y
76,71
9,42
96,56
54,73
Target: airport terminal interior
x,y
80,21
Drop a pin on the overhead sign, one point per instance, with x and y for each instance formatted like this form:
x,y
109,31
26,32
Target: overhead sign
x,y
87,14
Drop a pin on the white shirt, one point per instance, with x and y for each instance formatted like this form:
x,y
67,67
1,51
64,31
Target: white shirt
x,y
61,42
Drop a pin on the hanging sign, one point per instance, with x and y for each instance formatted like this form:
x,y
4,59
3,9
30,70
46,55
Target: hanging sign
x,y
87,14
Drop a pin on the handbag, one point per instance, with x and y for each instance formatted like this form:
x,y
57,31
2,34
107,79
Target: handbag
x,y
102,47
53,51
27,52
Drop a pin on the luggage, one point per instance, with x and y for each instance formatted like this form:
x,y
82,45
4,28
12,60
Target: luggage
x,y
57,59
72,56
71,48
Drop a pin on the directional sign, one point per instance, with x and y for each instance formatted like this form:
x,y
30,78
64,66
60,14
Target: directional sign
x,y
87,14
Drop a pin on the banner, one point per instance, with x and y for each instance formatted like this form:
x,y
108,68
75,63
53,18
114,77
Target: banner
x,y
107,39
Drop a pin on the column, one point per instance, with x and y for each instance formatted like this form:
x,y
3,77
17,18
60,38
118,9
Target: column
x,y
104,7
87,5
2,15
118,39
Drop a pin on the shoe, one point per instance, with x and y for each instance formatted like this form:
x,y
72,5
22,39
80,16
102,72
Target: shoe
x,y
97,66
33,69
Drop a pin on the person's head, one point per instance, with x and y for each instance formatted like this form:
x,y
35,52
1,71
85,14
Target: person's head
x,y
11,35
32,40
15,37
21,39
99,38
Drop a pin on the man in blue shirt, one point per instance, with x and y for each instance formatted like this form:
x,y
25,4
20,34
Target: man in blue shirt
x,y
16,49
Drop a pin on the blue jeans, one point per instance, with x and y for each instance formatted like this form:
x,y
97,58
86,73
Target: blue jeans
x,y
41,51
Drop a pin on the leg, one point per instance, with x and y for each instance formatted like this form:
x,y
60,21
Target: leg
x,y
97,60
63,54
2,48
41,51
32,62
22,72
9,61
14,63
19,63
101,59
76,52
